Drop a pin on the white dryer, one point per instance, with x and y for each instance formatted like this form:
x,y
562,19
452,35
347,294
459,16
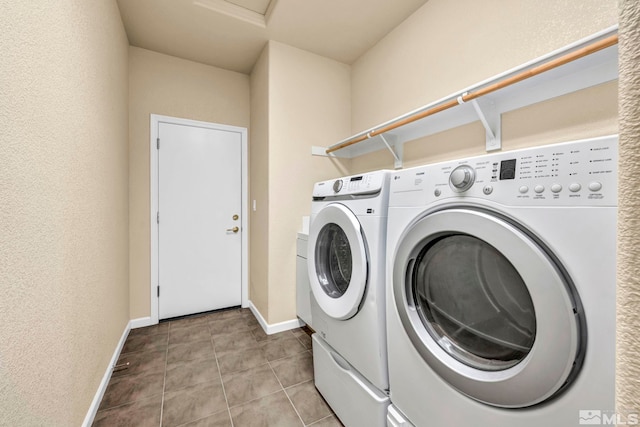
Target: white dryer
x,y
346,261
501,296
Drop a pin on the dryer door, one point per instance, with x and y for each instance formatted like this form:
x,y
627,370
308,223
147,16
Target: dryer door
x,y
487,307
337,261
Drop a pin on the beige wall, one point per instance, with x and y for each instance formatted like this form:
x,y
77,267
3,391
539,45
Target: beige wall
x,y
628,342
446,46
428,57
63,206
259,185
161,84
308,104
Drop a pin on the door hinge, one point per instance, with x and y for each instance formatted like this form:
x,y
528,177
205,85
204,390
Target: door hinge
x,y
158,143
158,291
158,217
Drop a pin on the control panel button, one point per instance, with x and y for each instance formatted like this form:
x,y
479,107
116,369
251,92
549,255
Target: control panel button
x,y
337,186
487,189
524,189
462,178
575,187
437,192
556,188
595,186
538,188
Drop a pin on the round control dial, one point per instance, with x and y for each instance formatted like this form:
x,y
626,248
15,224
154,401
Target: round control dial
x,y
337,185
462,178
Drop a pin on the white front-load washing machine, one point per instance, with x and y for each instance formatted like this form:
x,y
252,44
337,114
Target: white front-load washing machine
x,y
501,289
346,261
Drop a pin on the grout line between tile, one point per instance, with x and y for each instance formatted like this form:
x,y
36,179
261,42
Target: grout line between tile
x,y
201,418
300,341
257,398
285,393
297,384
164,380
321,419
287,356
224,391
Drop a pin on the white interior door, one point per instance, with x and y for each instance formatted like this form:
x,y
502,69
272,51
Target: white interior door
x,y
199,225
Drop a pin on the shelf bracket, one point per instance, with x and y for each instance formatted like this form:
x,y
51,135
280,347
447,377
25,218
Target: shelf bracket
x,y
492,121
397,152
490,118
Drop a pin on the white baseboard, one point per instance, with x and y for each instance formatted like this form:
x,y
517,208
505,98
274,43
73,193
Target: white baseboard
x,y
93,409
276,327
141,322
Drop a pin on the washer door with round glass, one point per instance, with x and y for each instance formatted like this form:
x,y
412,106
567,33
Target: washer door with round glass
x,y
337,261
487,307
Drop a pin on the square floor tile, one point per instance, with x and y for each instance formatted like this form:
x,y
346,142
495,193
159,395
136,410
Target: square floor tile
x,y
232,343
219,419
241,360
184,374
227,326
274,410
143,413
160,328
224,314
187,322
195,350
131,388
192,403
304,330
277,349
145,343
187,334
251,384
308,402
305,340
294,370
261,335
250,320
142,362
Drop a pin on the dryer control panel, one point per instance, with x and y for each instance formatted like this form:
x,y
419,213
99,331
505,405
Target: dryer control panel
x,y
578,173
357,185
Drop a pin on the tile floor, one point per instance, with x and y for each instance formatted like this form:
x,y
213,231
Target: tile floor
x,y
213,370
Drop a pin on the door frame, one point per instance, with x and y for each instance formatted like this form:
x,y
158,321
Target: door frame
x,y
155,120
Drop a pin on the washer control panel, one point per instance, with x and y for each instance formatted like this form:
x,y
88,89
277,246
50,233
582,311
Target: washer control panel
x,y
569,174
368,183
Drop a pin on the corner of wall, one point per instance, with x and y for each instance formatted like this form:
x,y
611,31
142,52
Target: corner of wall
x,y
309,105
259,184
628,289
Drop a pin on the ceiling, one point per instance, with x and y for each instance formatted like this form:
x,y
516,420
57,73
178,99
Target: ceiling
x,y
230,34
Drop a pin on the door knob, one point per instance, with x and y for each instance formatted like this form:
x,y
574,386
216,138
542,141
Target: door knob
x,y
234,229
